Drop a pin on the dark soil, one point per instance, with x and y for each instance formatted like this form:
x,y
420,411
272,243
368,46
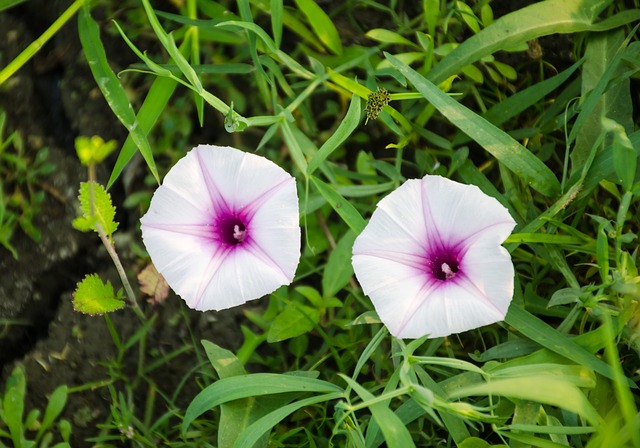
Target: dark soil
x,y
51,101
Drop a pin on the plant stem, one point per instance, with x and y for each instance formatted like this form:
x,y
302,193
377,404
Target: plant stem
x,y
37,44
111,250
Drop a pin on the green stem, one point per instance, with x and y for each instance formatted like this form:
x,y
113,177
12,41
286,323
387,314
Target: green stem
x,y
37,44
111,250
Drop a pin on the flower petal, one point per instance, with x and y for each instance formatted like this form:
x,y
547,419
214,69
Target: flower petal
x,y
460,212
208,184
275,229
420,225
239,177
241,276
399,219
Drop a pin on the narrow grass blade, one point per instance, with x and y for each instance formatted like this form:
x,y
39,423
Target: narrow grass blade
x,y
345,129
261,426
37,44
394,431
154,103
515,104
321,24
503,147
111,88
544,389
540,19
601,99
538,331
347,212
245,386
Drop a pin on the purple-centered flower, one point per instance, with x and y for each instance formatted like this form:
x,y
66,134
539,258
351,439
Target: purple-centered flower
x,y
431,259
224,228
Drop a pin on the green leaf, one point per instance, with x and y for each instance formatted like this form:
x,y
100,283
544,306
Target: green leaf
x,y
109,85
394,431
56,404
347,212
524,99
6,4
338,269
600,98
321,24
497,142
293,321
388,37
545,389
13,404
538,331
92,150
348,124
235,416
97,209
625,156
94,297
539,19
276,9
153,105
260,427
244,386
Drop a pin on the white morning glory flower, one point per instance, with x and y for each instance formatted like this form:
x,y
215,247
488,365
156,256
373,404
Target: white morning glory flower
x,y
224,228
431,259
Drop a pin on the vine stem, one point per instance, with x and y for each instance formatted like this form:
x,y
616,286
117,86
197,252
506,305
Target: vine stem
x,y
111,250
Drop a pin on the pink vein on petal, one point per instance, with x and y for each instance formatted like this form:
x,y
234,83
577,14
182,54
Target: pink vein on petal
x,y
471,239
217,258
434,239
252,208
197,230
419,300
410,260
404,229
467,284
217,200
260,253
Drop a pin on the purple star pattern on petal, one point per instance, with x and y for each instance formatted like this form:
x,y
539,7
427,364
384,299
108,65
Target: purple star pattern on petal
x,y
431,259
223,228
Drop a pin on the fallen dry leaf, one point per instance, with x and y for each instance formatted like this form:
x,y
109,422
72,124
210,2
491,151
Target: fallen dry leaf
x,y
153,284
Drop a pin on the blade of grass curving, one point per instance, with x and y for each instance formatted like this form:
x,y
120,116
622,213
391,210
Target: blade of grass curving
x,y
253,385
538,331
513,105
348,124
236,415
6,4
152,106
111,88
624,395
347,212
537,20
321,24
497,142
261,426
37,44
545,389
154,103
394,431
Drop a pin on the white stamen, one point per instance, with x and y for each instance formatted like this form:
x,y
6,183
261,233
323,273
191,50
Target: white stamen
x,y
239,234
448,273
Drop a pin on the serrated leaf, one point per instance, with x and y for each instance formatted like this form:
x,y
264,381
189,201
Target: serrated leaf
x,y
96,207
95,297
153,284
92,150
